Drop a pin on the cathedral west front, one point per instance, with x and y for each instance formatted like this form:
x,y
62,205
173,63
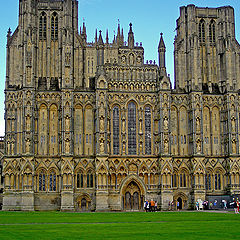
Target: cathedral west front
x,y
89,126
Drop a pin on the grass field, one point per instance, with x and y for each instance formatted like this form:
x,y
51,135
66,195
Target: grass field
x,y
132,225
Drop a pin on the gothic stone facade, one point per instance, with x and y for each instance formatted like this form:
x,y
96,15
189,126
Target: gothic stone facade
x,y
90,126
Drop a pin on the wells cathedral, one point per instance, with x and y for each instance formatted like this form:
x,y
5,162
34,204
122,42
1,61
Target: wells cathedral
x,y
92,126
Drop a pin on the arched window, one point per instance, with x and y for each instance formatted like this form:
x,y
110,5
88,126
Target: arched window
x,y
217,181
52,181
42,181
201,31
183,180
132,128
43,26
115,130
208,181
89,180
212,33
148,149
80,180
174,180
54,27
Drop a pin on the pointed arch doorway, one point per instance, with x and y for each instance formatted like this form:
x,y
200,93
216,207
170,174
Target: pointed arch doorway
x,y
132,197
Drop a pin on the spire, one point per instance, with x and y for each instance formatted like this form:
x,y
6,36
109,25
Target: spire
x,y
118,34
100,39
130,37
161,56
84,32
161,43
9,33
122,37
96,36
107,39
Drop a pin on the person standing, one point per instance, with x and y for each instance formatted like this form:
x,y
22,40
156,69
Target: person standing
x,y
197,205
155,206
178,205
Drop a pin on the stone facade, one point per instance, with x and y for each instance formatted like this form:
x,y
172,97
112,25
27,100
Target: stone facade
x,y
90,126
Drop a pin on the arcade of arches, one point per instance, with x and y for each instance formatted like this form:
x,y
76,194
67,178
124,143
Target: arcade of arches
x,y
92,126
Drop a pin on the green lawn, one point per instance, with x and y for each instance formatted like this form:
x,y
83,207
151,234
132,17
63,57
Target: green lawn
x,y
161,225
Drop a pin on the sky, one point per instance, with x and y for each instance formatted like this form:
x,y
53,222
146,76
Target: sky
x,y
149,19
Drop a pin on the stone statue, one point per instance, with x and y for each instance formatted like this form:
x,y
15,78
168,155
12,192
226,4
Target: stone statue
x,y
198,146
198,124
233,124
165,123
165,146
101,124
101,143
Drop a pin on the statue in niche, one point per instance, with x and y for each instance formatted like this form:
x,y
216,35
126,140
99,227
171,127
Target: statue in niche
x,y
198,124
28,123
156,148
165,123
28,146
123,59
166,146
67,145
124,147
8,148
108,146
101,144
123,125
198,146
68,56
141,147
234,149
233,124
140,126
131,59
67,123
101,125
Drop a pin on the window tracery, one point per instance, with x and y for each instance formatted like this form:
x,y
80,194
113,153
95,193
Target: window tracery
x,y
201,31
54,27
148,127
132,141
43,26
116,130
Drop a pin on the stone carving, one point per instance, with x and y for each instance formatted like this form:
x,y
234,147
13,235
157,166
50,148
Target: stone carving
x,y
165,123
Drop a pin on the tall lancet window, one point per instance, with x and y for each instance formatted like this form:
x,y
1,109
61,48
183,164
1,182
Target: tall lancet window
x,y
202,31
116,130
212,33
132,145
43,26
54,27
148,149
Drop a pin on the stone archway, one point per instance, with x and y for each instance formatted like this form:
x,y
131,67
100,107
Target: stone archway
x,y
83,203
132,196
182,199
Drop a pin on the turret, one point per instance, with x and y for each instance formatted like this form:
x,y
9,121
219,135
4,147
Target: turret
x,y
130,37
100,50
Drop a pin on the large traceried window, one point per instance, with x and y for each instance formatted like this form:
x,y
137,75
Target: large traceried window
x,y
201,31
54,27
148,127
42,181
52,181
116,130
132,141
208,181
212,33
80,180
89,180
43,26
217,181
